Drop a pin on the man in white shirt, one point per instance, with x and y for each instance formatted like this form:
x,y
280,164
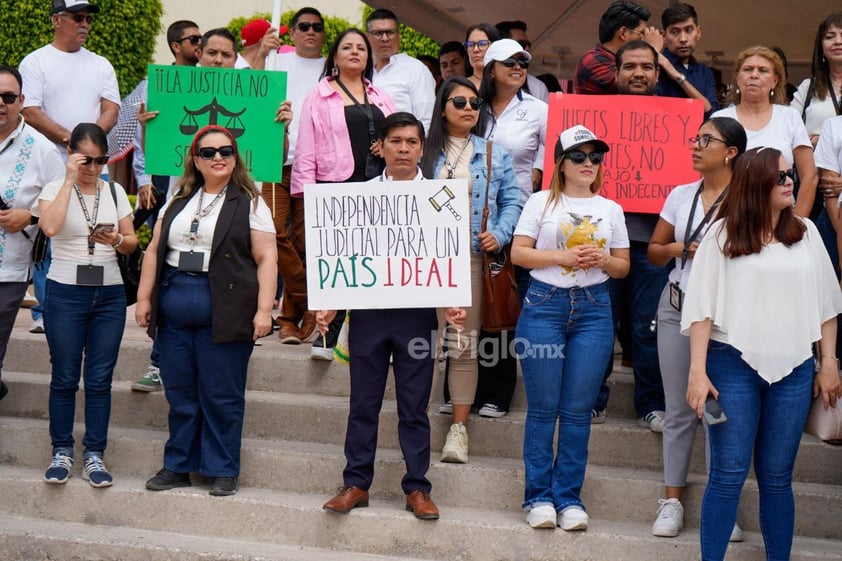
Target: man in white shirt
x,y
28,161
406,79
304,67
517,30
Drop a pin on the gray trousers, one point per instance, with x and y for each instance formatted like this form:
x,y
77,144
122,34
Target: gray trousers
x,y
11,295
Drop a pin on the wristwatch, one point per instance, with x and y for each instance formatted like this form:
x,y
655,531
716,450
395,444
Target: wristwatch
x,y
680,79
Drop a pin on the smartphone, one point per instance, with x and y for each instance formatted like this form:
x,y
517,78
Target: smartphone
x,y
103,227
714,415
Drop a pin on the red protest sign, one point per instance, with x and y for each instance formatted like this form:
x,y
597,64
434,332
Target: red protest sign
x,y
648,138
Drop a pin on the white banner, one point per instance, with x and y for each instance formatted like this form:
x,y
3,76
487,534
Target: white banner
x,y
388,244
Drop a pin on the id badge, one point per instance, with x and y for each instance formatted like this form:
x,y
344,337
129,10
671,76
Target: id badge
x,y
191,261
90,275
676,296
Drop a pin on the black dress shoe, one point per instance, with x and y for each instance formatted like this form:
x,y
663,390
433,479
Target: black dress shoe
x,y
224,486
165,480
4,389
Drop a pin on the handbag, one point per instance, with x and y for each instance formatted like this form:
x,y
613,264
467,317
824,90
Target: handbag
x,y
39,246
129,264
825,424
500,306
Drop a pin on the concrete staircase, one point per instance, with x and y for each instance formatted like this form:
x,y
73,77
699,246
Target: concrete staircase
x,y
292,463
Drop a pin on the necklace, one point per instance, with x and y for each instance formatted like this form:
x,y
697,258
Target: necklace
x,y
451,166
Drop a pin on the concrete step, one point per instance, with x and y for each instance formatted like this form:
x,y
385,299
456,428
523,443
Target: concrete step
x,y
618,494
322,419
385,528
25,539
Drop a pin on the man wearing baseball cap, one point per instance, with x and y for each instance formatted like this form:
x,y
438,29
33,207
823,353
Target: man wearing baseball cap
x,y
258,39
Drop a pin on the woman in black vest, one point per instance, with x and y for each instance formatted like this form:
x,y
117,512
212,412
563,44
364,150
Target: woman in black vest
x,y
209,292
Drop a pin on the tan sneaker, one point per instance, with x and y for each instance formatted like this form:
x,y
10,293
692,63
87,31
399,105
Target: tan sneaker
x,y
308,331
455,449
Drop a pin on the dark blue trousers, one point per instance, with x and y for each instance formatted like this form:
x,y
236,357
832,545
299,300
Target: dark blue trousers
x,y
205,382
374,336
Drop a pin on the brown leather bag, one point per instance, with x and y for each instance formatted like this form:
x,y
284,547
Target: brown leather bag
x,y
500,304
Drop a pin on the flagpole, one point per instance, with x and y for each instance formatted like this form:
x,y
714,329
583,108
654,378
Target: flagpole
x,y
270,63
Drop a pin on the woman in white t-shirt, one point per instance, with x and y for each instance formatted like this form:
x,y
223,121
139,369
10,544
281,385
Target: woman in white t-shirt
x,y
761,292
85,309
207,288
687,214
573,240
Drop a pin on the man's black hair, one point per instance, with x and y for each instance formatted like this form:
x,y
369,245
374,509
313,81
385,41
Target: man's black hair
x,y
176,30
622,13
505,27
381,13
400,119
676,13
14,72
304,12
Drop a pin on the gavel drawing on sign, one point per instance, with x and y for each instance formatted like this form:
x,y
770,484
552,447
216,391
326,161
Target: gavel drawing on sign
x,y
442,199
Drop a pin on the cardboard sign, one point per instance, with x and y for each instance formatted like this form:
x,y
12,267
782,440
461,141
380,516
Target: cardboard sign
x,y
648,138
388,244
243,101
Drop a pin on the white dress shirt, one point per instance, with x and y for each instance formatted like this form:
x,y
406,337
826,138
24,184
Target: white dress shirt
x,y
410,85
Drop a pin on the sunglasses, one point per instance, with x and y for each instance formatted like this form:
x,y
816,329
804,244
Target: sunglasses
x,y
98,160
482,44
209,152
782,175
510,63
194,39
305,26
704,140
579,157
79,18
9,97
460,102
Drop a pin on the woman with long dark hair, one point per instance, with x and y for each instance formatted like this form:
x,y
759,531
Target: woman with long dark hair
x,y
478,38
761,292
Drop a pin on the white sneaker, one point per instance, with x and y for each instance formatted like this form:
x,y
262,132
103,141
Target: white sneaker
x,y
670,519
455,449
37,326
736,534
653,421
573,518
542,516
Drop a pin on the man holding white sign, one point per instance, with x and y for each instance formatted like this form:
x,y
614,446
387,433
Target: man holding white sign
x,y
375,335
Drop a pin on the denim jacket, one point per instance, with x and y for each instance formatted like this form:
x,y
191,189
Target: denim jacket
x,y
504,200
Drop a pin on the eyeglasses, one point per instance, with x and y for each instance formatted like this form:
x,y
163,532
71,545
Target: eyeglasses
x,y
304,26
782,175
9,97
79,18
98,160
380,33
194,39
460,102
578,157
638,31
704,140
209,152
510,63
525,45
482,44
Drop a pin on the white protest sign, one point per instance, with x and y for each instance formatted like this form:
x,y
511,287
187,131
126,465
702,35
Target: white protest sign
x,y
388,244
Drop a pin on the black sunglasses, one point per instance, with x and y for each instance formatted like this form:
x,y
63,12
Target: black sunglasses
x,y
304,26
782,175
460,102
194,39
98,160
9,97
510,63
482,43
209,152
578,157
79,18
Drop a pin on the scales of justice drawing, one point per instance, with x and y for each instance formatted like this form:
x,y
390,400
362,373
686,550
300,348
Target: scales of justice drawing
x,y
190,125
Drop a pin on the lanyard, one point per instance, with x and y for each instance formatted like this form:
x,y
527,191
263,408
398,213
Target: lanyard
x,y
202,212
688,237
835,101
366,109
91,220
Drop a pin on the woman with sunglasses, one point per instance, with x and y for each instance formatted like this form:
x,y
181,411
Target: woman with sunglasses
x,y
761,292
477,40
88,223
687,214
337,134
207,289
453,151
516,121
573,240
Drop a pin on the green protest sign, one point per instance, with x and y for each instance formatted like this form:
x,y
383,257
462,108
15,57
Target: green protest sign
x,y
189,98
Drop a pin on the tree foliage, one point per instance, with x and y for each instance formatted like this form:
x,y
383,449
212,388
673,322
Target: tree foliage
x,y
124,32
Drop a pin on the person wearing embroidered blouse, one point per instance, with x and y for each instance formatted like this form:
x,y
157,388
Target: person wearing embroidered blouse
x,y
573,240
760,293
688,212
85,310
207,287
452,151
757,94
337,134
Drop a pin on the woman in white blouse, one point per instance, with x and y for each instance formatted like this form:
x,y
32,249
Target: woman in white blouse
x,y
761,292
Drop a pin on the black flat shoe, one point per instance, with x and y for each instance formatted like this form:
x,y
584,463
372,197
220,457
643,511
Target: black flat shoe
x,y
224,486
165,480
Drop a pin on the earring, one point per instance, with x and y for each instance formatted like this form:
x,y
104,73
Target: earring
x,y
737,91
726,160
772,93
334,72
824,59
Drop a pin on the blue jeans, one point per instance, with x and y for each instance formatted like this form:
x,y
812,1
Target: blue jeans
x,y
763,420
81,320
561,386
39,281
